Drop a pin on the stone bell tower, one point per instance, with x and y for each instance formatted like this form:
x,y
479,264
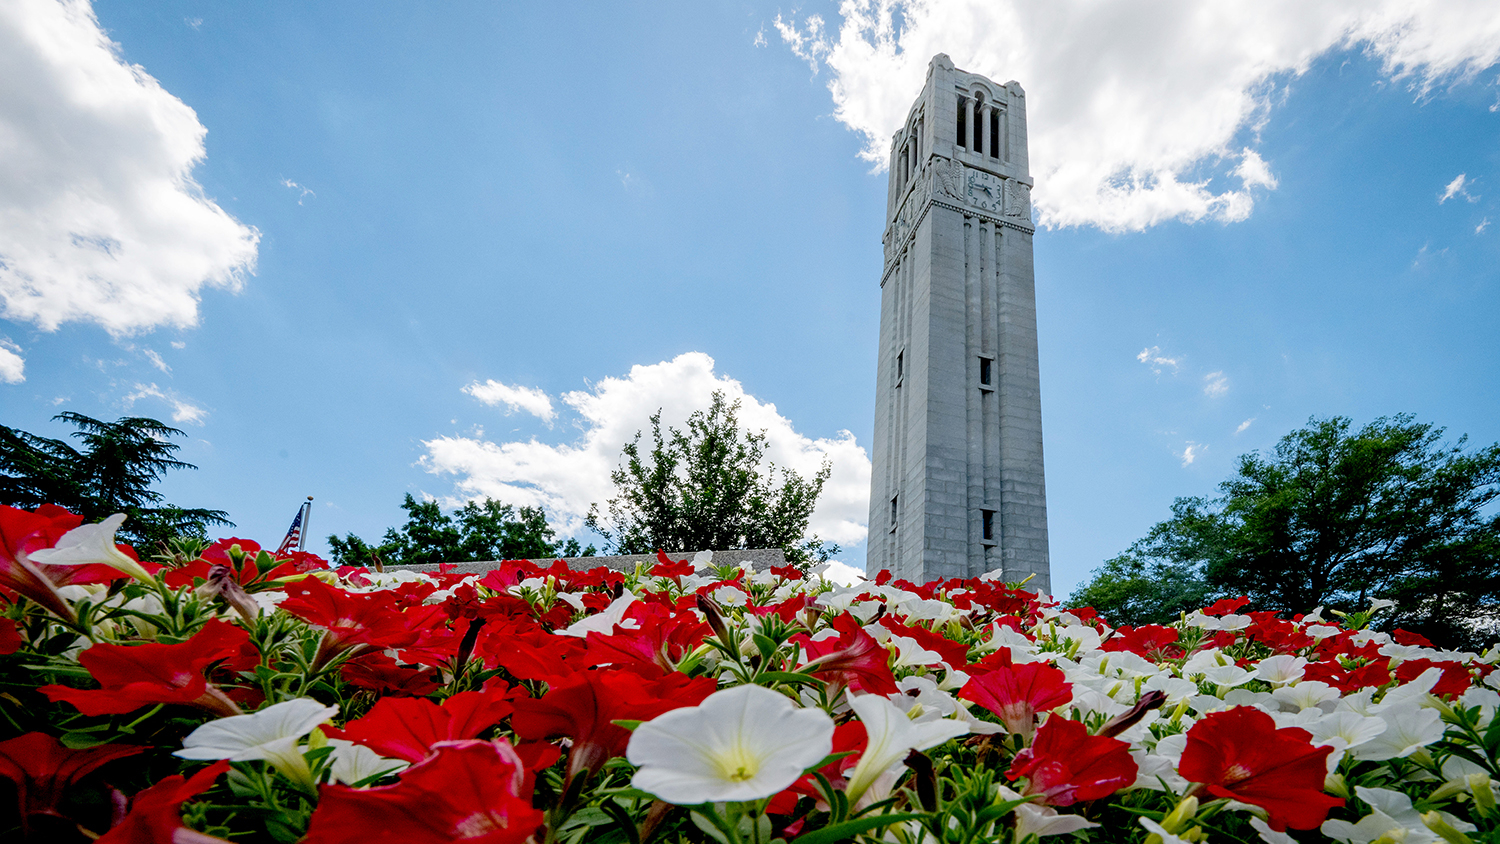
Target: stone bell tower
x,y
958,487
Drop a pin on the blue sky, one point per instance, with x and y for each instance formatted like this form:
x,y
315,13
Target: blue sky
x,y
634,205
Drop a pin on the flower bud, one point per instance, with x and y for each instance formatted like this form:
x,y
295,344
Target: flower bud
x,y
714,615
221,583
1435,822
1124,721
1180,815
1484,795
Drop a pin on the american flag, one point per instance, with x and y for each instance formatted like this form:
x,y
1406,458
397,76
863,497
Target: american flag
x,y
293,541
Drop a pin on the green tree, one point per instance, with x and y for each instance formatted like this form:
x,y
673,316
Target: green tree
x,y
704,489
1337,517
1158,577
477,531
114,472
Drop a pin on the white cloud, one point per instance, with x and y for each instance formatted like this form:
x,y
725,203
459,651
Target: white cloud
x,y
1244,426
1153,358
182,410
566,478
156,360
12,365
1458,187
1138,112
529,399
1483,224
1215,384
100,218
179,344
305,191
843,574
1191,451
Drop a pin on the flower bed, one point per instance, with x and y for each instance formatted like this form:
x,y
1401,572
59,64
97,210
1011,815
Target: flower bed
x,y
241,696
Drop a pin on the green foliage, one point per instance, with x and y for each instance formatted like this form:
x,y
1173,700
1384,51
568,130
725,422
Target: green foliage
x,y
704,489
1331,517
114,473
487,531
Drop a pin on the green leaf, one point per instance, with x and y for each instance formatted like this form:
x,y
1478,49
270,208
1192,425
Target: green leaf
x,y
707,824
627,724
999,810
81,740
849,829
791,678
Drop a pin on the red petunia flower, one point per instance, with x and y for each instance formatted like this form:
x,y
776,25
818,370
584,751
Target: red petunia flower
x,y
407,728
1375,674
43,769
1240,754
853,659
1016,693
156,813
583,707
1225,606
667,567
953,653
1066,765
23,533
379,673
1454,681
530,653
133,676
351,619
10,636
1146,640
661,640
470,791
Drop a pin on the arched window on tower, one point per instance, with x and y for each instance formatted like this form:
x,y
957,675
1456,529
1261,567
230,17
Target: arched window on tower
x,y
963,128
978,144
995,139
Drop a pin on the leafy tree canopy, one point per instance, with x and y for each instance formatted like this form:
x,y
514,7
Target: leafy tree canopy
x,y
487,531
704,489
114,472
1332,517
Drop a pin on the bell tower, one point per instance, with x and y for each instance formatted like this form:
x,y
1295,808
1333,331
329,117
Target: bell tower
x,y
958,488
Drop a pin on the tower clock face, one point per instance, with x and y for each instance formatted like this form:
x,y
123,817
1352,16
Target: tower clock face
x,y
985,190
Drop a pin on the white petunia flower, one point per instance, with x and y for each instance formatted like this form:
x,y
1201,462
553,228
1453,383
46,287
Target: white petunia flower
x,y
1043,821
1308,694
1269,835
1415,693
1408,728
911,654
742,743
1281,669
91,545
351,763
271,734
922,700
1355,729
891,736
1392,815
730,596
604,622
1227,676
1152,770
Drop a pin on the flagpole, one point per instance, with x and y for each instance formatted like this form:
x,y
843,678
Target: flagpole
x,y
306,518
